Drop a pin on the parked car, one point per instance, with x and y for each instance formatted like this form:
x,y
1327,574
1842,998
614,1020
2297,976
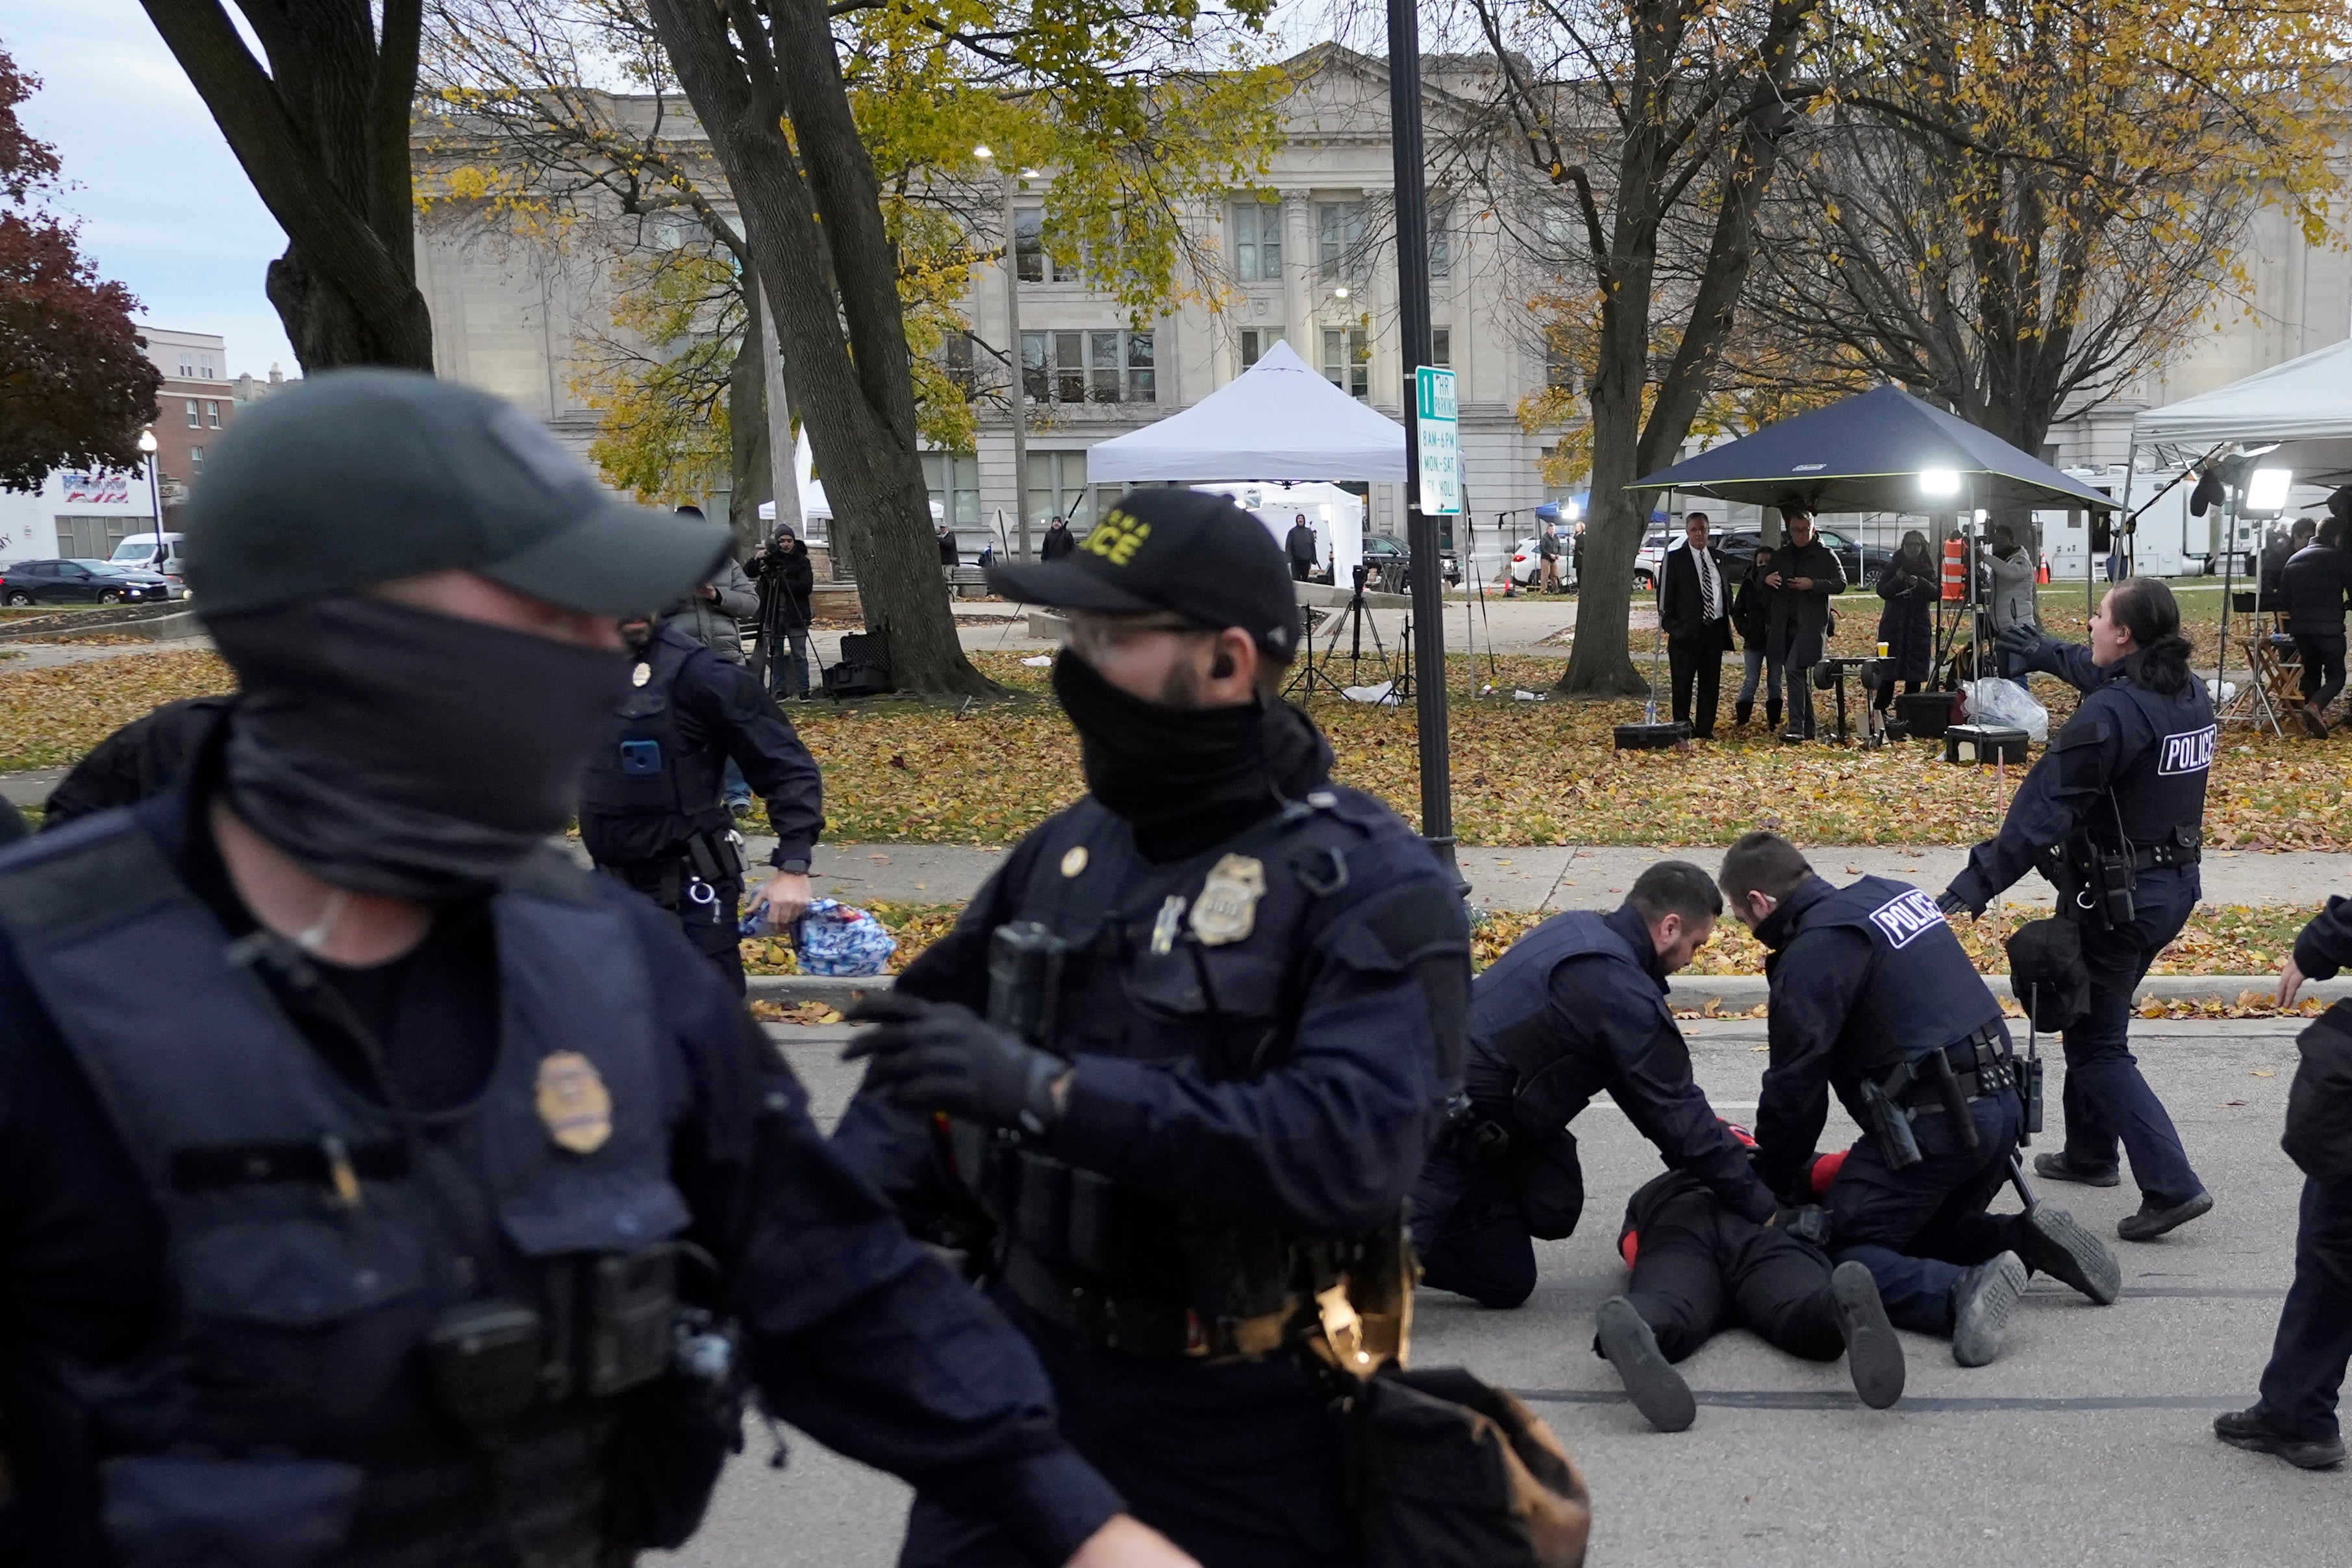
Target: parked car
x,y
137,553
1862,561
1650,561
80,582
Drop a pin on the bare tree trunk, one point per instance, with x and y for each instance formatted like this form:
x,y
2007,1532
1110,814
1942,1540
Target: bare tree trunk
x,y
812,217
323,135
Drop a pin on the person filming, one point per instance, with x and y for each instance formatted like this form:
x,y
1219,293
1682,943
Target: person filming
x,y
1908,582
2314,586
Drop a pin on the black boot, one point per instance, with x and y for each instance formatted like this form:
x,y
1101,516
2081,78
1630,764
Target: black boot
x,y
1657,1390
1874,1356
1983,1301
2247,1429
1740,712
2055,1243
1772,712
2155,1219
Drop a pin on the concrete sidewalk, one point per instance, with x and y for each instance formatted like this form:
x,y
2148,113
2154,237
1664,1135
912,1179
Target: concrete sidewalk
x,y
1581,877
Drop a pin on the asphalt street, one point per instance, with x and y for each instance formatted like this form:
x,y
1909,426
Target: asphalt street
x,y
2087,1445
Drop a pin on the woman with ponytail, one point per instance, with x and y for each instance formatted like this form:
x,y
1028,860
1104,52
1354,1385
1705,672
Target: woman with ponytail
x,y
2114,815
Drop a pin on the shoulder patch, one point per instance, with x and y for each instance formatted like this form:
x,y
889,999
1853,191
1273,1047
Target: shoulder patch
x,y
1905,916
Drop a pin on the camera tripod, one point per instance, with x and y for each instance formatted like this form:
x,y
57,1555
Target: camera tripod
x,y
1356,618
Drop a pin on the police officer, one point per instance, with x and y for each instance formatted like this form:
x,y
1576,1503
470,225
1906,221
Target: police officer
x,y
1220,1101
427,1196
2295,1417
1699,1268
651,809
2112,814
1576,1009
1873,995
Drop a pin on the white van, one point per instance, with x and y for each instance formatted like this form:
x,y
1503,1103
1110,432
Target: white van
x,y
139,551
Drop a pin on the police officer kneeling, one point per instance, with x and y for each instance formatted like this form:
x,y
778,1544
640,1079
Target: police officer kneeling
x,y
1204,1103
652,810
1872,995
2113,816
1576,1009
408,1194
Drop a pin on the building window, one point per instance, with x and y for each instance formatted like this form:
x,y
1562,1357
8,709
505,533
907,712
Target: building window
x,y
1348,361
1029,246
1257,242
1088,366
212,413
953,480
1057,488
1339,240
193,423
1255,341
1559,371
195,459
1440,347
186,369
1441,241
955,356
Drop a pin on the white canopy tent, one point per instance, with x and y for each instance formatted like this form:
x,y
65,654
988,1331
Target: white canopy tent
x,y
1337,516
2296,416
2305,405
1278,420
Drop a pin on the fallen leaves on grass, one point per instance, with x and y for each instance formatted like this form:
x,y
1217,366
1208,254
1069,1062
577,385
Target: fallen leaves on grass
x,y
807,1014
48,718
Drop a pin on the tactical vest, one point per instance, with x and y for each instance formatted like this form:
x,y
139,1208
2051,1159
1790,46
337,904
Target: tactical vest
x,y
1921,994
1203,959
317,1252
644,766
2160,791
1509,1005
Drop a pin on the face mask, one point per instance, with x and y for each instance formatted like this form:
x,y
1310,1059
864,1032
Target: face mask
x,y
394,751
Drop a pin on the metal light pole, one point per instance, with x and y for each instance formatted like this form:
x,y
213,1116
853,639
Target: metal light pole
x,y
1421,530
147,445
1019,395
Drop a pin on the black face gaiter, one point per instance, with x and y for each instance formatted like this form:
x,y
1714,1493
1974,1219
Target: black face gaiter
x,y
1184,779
394,751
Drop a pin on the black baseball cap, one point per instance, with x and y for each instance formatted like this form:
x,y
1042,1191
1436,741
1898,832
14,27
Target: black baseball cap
x,y
1187,551
359,477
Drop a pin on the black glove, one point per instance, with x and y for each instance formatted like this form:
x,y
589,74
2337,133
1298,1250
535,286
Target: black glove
x,y
1952,905
942,1056
1806,1222
2025,648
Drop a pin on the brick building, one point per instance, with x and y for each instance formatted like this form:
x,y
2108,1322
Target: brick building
x,y
195,404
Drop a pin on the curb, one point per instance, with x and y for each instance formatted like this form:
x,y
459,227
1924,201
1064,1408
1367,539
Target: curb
x,y
1727,991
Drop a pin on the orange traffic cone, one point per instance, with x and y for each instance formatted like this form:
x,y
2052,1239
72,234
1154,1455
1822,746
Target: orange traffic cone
x,y
2043,575
1955,577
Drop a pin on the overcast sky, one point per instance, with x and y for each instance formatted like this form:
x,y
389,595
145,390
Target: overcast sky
x,y
165,207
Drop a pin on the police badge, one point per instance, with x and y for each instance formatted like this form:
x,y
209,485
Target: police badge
x,y
1226,910
573,1102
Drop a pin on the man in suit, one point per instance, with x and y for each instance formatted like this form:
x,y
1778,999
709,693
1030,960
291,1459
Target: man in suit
x,y
1695,610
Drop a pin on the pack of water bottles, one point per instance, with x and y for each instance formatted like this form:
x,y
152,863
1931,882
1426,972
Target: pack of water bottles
x,y
834,939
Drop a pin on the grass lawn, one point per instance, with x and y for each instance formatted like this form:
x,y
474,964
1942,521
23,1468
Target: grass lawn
x,y
1524,773
2231,939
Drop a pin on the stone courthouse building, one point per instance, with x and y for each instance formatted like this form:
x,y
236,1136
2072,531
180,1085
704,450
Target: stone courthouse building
x,y
1306,259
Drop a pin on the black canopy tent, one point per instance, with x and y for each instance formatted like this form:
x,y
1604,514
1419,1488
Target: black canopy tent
x,y
1882,451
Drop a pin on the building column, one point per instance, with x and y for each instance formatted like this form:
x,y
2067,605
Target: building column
x,y
1297,277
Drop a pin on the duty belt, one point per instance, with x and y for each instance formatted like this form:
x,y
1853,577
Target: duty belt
x,y
1135,1324
1981,1066
2166,853
710,858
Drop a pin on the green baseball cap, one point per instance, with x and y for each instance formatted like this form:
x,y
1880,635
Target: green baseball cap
x,y
360,476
